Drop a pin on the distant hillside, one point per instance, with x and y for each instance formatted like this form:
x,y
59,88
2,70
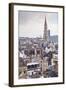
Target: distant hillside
x,y
54,38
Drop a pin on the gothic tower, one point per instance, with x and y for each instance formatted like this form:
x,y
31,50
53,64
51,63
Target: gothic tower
x,y
45,34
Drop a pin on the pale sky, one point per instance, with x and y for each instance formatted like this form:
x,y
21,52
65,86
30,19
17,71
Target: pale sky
x,y
31,23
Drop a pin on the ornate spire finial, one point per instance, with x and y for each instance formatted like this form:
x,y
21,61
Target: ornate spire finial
x,y
45,21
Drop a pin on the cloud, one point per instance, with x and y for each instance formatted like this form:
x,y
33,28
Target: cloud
x,y
31,24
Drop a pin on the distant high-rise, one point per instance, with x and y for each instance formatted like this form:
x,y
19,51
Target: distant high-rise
x,y
48,35
45,34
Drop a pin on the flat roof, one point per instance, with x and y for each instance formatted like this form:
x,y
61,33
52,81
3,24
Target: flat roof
x,y
32,63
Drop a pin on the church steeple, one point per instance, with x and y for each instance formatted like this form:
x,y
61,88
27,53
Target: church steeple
x,y
45,21
45,35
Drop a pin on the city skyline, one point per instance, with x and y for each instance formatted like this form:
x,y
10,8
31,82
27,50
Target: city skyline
x,y
31,24
37,57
